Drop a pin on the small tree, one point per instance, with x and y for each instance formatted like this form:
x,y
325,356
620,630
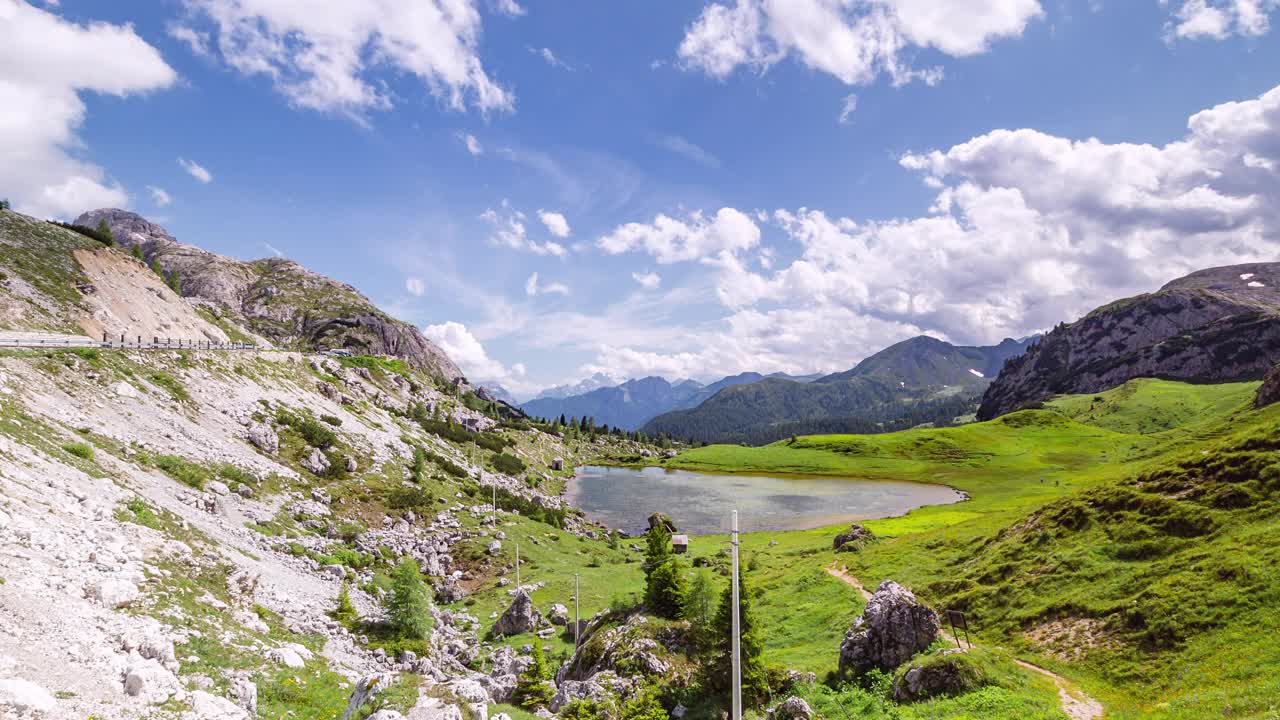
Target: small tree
x,y
664,592
755,686
105,231
644,705
136,251
345,612
418,470
658,549
175,281
532,691
409,605
699,606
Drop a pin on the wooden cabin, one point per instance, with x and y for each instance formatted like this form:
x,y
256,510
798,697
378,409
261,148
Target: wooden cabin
x,y
679,544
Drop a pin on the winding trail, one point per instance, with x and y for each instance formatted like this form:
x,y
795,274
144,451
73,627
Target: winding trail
x,y
1073,701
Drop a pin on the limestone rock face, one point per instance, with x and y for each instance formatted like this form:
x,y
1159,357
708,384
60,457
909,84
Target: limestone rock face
x,y
1215,325
316,462
1269,393
276,298
853,539
264,437
894,627
521,617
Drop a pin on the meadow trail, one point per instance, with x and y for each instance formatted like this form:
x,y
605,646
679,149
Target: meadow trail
x,y
1074,702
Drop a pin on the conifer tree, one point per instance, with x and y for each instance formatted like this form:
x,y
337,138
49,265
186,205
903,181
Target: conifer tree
x,y
699,606
409,605
532,691
755,686
105,231
345,612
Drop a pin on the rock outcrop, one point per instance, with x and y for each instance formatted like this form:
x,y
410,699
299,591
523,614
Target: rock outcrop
x,y
853,539
276,298
521,617
793,708
1269,393
894,626
1216,325
948,674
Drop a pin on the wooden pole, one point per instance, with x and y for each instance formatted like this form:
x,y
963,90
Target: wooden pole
x,y
737,649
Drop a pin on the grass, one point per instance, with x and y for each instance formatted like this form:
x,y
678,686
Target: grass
x,y
171,385
84,451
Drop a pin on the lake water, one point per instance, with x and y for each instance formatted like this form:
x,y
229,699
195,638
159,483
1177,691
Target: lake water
x,y
700,502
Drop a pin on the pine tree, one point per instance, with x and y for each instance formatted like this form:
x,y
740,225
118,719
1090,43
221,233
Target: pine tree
x,y
532,691
175,281
408,605
345,612
699,606
418,470
659,548
665,588
105,231
136,251
755,686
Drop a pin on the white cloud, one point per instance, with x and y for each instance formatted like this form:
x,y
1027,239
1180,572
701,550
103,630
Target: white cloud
x,y
549,57
509,231
1219,19
681,146
556,223
159,197
510,8
470,142
1026,230
848,107
415,286
196,42
45,63
648,280
324,58
273,249
855,41
532,287
464,349
196,170
670,240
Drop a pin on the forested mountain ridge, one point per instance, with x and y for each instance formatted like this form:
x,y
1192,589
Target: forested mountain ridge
x,y
1215,325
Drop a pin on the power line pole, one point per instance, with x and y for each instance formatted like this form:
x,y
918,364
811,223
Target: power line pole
x,y
737,649
577,620
517,569
495,503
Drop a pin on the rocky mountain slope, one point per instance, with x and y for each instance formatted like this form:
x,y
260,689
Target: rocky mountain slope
x,y
1215,325
919,380
276,298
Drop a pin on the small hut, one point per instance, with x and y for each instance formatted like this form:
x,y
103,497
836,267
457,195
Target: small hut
x,y
679,544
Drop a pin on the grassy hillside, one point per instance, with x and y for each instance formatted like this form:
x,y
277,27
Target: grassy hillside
x,y
1127,539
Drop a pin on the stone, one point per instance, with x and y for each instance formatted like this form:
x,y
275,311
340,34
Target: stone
x,y
793,708
658,518
351,464
124,390
242,583
290,655
386,715
205,706
571,691
245,693
559,614
557,463
521,617
150,682
951,674
264,437
151,643
113,593
893,627
432,708
365,690
495,547
24,696
217,487
853,539
316,462
1269,392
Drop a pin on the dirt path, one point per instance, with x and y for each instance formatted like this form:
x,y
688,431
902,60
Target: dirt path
x,y
1073,701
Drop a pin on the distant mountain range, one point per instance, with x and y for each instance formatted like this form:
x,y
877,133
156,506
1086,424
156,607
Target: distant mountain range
x,y
632,403
918,380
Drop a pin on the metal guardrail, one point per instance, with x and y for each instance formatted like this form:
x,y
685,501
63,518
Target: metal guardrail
x,y
124,344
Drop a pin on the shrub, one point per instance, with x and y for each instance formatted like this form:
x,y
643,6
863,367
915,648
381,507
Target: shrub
x,y
332,420
508,464
315,434
532,691
665,589
408,605
80,450
185,472
345,612
406,498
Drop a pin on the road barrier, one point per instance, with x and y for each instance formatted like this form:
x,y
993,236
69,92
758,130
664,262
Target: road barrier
x,y
123,343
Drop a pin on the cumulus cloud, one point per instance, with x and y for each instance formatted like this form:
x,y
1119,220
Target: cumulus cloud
x,y
470,142
510,8
465,350
847,107
555,222
325,60
855,41
648,280
670,240
1220,19
196,170
1026,230
532,287
159,196
681,146
415,286
508,230
46,63
549,57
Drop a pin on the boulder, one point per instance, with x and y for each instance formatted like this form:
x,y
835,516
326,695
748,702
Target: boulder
x,y
245,693
894,627
571,691
559,614
431,708
290,655
1269,392
365,690
521,617
113,593
793,708
150,682
316,462
150,642
853,539
658,518
24,696
950,673
264,437
124,390
205,706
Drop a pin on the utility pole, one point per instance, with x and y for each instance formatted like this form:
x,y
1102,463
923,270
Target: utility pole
x,y
737,649
577,620
495,503
517,569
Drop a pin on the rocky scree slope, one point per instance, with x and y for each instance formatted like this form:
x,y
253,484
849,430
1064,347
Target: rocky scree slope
x,y
1215,325
277,298
174,530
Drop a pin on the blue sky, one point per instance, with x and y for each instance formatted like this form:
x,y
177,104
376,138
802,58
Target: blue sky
x,y
701,188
